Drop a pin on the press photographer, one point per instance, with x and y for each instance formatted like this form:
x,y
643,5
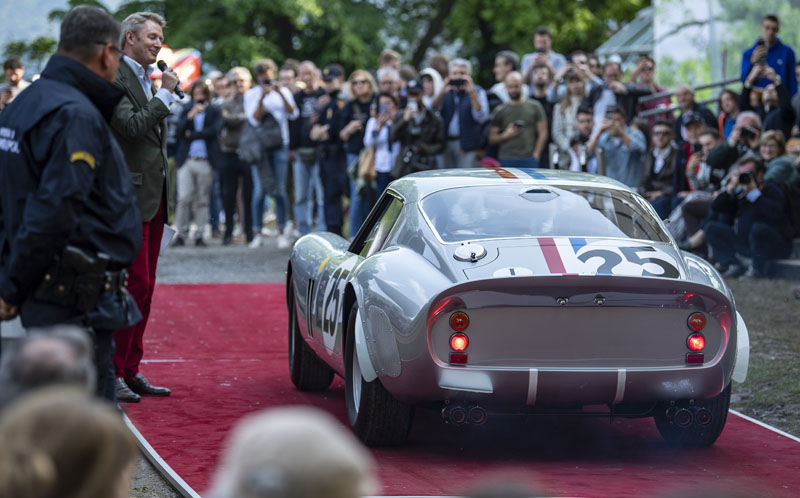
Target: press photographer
x,y
749,217
419,132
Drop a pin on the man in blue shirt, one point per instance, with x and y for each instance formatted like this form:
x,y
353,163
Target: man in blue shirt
x,y
770,50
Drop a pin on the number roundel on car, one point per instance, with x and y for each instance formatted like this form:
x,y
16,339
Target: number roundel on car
x,y
622,258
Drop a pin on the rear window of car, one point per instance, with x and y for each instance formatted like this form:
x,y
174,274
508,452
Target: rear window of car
x,y
503,211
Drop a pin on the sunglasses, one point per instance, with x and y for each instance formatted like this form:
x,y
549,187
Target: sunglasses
x,y
661,133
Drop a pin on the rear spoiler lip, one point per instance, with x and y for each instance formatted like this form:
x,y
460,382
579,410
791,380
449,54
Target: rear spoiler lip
x,y
603,283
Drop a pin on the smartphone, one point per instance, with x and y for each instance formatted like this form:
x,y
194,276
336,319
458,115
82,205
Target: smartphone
x,y
383,108
519,123
761,60
413,105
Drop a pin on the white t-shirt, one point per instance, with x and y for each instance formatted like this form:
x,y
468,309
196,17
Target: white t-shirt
x,y
273,103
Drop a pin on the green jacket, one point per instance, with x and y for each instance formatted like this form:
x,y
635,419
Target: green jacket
x,y
140,128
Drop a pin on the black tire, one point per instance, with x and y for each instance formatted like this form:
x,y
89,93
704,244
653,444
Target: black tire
x,y
308,372
695,435
375,416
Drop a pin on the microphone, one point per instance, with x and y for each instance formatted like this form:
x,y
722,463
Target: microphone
x,y
163,67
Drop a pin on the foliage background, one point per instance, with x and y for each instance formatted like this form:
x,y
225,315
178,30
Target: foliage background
x,y
353,32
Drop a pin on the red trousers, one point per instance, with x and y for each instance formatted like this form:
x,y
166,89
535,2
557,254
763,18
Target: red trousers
x,y
141,282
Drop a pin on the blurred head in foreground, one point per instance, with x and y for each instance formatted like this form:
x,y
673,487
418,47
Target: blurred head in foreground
x,y
62,443
293,452
60,355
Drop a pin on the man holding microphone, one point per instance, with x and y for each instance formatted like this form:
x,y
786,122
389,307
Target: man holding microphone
x,y
140,128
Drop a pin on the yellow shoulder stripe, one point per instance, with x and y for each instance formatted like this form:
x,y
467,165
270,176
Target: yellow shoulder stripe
x,y
83,156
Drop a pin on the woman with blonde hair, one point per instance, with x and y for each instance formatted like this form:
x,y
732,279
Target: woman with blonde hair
x,y
61,443
354,119
565,118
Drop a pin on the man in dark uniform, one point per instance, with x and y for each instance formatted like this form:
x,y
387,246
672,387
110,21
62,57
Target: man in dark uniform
x,y
332,159
68,223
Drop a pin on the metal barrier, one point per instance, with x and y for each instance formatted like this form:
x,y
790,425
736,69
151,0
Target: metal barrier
x,y
674,107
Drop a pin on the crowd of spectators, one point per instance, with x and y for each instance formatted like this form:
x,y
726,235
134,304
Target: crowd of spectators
x,y
317,145
334,142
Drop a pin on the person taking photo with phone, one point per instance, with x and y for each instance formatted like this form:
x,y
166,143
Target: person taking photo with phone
x,y
519,128
770,51
464,108
198,156
419,132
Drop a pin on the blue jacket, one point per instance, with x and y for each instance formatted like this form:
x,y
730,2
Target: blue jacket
x,y
212,124
63,181
780,57
470,136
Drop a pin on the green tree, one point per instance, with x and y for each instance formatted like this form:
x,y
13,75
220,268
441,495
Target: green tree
x,y
488,26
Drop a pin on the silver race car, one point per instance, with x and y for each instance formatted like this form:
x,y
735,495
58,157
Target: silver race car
x,y
506,291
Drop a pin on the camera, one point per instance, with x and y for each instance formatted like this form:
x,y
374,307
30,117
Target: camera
x,y
745,178
458,83
265,82
747,134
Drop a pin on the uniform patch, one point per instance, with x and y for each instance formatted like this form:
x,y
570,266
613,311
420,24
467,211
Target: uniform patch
x,y
8,142
82,156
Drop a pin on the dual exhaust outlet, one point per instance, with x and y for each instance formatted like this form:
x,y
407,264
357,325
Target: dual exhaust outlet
x,y
458,414
685,418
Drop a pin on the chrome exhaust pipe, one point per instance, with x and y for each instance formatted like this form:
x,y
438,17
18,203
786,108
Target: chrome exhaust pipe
x,y
683,418
454,414
703,416
477,415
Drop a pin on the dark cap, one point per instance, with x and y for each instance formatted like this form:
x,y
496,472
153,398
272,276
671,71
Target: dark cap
x,y
414,86
691,117
332,72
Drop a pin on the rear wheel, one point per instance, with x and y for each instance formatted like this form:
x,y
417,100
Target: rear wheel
x,y
308,372
375,416
695,425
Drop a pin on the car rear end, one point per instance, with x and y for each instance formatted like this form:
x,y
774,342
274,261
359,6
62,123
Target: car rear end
x,y
570,341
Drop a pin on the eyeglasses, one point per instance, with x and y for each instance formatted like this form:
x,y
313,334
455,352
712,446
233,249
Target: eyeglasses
x,y
360,82
648,68
661,133
116,48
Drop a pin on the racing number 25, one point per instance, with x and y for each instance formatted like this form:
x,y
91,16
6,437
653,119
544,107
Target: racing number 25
x,y
332,301
611,259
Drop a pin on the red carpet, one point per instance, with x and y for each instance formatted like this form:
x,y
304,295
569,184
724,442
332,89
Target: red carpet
x,y
222,350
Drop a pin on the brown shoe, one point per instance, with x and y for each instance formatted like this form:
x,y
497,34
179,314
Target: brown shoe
x,y
140,385
124,393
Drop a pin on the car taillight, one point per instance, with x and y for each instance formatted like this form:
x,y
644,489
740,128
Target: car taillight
x,y
459,321
459,342
697,322
696,342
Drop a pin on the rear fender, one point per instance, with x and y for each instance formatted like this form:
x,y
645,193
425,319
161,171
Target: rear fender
x,y
393,290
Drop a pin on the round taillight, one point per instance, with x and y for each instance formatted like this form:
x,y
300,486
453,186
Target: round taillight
x,y
697,322
459,321
459,342
696,342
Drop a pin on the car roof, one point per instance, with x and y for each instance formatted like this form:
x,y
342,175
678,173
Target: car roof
x,y
416,186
